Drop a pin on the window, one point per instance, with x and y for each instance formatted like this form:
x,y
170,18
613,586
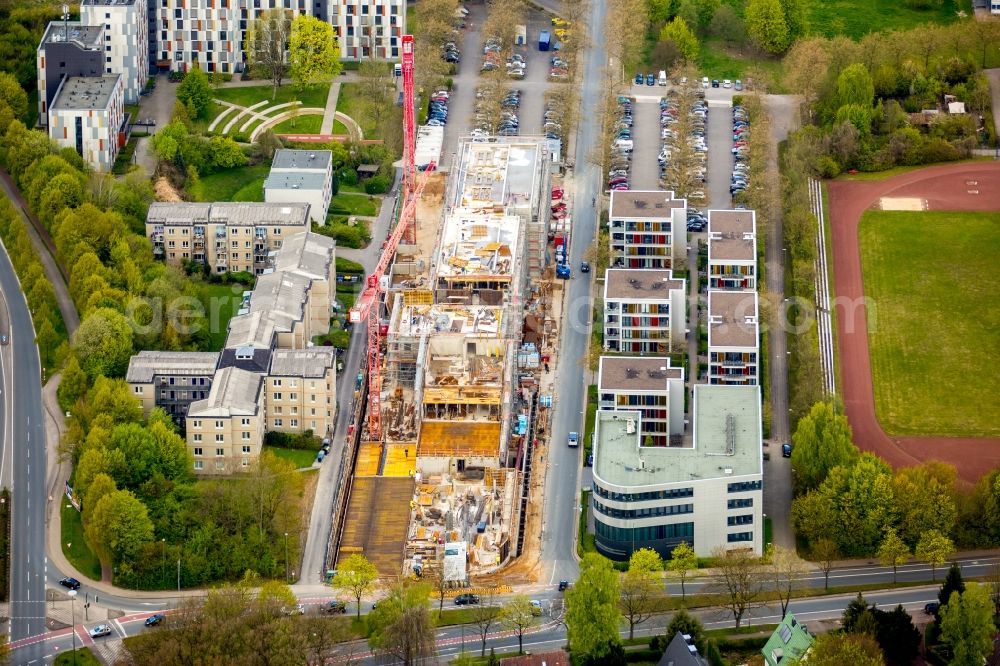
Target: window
x,y
740,503
198,464
675,493
220,437
277,423
197,437
220,452
740,520
293,396
276,396
219,425
245,435
137,390
246,449
744,486
196,423
739,537
197,450
293,423
651,533
245,422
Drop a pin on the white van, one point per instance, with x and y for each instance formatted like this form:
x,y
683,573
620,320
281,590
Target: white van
x,y
662,78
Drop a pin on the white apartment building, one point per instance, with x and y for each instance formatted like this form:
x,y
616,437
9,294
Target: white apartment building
x,y
88,115
709,494
212,33
644,311
235,237
733,342
225,431
302,176
126,40
732,249
647,385
648,229
301,390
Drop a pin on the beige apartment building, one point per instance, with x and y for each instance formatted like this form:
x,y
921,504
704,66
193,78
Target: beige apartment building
x,y
225,431
171,380
234,237
301,390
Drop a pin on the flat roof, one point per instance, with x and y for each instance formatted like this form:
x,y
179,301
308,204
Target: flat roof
x,y
727,442
646,204
639,373
732,235
652,285
86,93
288,158
295,180
146,365
235,392
314,362
503,172
109,3
88,37
417,320
476,243
732,318
306,253
242,213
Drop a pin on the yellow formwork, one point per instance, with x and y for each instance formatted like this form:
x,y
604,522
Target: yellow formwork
x,y
368,458
400,460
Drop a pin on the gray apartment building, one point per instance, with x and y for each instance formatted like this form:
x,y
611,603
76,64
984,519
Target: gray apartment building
x,y
171,380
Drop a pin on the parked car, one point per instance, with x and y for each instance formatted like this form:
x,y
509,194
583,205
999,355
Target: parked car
x,y
786,450
155,619
334,606
466,599
638,78
536,607
727,83
932,608
715,83
738,85
71,583
100,630
650,80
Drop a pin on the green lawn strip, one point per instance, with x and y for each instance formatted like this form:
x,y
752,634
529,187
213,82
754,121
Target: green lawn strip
x,y
300,457
302,124
857,18
354,204
341,129
313,96
74,545
224,185
936,319
349,102
79,657
589,420
221,302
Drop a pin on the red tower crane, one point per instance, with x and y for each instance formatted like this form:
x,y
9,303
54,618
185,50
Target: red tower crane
x,y
367,306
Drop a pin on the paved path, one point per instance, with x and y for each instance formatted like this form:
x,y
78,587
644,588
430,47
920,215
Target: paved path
x,y
993,76
46,251
331,109
158,105
250,109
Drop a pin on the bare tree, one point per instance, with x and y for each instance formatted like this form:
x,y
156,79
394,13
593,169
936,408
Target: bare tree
x,y
739,581
825,553
401,625
267,45
484,616
639,597
785,569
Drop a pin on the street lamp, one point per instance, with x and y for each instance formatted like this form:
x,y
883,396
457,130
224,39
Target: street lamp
x,y
72,606
163,553
286,557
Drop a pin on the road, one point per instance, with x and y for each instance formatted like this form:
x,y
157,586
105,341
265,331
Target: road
x,y
24,455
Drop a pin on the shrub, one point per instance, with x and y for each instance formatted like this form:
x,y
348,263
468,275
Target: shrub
x,y
377,185
349,176
290,440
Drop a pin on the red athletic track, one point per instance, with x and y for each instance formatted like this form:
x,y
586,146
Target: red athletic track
x,y
943,188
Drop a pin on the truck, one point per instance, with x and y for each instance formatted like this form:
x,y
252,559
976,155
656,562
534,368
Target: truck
x,y
544,40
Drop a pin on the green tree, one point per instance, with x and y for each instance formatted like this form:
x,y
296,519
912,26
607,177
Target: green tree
x,y
13,95
726,25
639,587
401,626
680,34
855,86
897,636
225,153
592,615
796,18
267,39
356,575
766,25
685,623
934,548
687,11
967,626
706,11
822,441
952,583
103,343
682,562
195,93
840,649
893,552
517,615
118,527
99,486
313,53
925,499
21,147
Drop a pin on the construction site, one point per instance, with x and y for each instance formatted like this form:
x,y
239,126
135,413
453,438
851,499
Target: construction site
x,y
442,483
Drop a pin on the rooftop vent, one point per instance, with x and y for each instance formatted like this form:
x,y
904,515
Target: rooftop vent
x,y
631,373
639,203
630,429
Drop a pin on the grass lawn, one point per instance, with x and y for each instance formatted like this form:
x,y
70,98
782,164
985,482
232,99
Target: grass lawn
x,y
301,457
340,128
77,551
79,657
309,124
238,184
350,102
936,320
719,62
856,18
311,96
354,204
221,302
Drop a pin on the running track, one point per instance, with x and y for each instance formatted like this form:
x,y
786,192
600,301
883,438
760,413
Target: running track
x,y
943,188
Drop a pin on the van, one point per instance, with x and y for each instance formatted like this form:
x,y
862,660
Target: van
x,y
662,78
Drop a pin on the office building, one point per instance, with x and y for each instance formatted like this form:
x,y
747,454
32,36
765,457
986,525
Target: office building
x,y
644,311
649,386
88,115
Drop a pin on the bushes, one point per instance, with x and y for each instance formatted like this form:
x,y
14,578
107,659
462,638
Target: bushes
x,y
347,235
377,184
242,277
288,440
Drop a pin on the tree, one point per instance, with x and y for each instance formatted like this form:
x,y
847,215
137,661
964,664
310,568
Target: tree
x,y
739,581
796,18
313,53
592,614
855,610
897,636
401,626
925,499
934,548
893,552
267,39
195,92
726,25
72,383
967,626
639,587
517,615
806,67
855,86
822,441
765,23
103,343
680,34
682,562
484,615
784,570
952,583
13,95
840,649
685,623
118,527
356,575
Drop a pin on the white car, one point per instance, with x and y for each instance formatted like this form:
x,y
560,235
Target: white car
x,y
100,630
727,83
704,82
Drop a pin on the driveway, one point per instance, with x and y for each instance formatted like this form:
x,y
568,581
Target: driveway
x,y
463,93
158,106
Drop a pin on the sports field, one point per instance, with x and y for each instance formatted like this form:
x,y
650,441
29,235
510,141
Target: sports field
x,y
934,326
